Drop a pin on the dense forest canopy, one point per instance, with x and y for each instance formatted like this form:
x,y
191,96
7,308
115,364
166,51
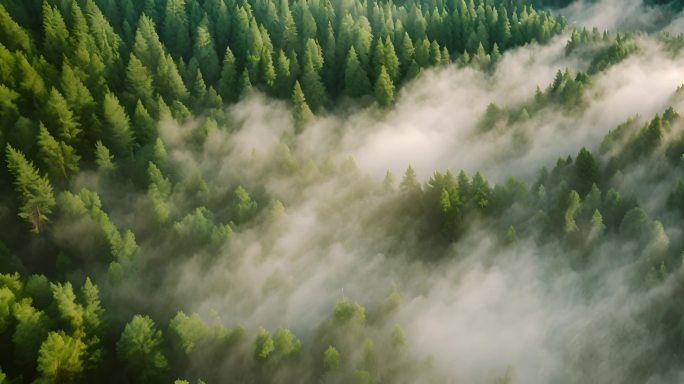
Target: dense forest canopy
x,y
414,191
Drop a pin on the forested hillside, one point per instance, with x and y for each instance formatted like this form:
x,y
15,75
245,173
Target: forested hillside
x,y
204,191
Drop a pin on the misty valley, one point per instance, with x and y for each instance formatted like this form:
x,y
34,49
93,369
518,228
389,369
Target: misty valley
x,y
341,191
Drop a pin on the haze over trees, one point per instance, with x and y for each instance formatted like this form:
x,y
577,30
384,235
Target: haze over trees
x,y
178,205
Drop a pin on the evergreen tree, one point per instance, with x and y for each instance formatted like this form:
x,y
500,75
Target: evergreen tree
x,y
312,86
103,159
60,158
228,83
61,358
409,182
138,83
176,28
61,119
168,81
205,53
12,34
56,34
117,133
144,126
355,78
586,171
384,88
35,191
302,112
78,96
140,348
283,75
391,61
30,331
244,84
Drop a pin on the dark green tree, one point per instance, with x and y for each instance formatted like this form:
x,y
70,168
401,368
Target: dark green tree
x,y
117,132
140,348
355,77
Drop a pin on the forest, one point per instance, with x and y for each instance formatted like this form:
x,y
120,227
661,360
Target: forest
x,y
341,191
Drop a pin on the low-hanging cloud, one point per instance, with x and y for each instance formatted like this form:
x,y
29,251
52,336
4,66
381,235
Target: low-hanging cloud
x,y
478,308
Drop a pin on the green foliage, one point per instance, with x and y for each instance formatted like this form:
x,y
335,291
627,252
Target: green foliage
x,y
384,88
355,77
243,206
615,53
59,157
30,331
140,349
8,298
586,170
104,159
35,191
331,359
346,312
189,330
117,132
263,345
60,358
60,118
410,181
302,112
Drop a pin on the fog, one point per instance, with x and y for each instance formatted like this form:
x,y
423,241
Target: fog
x,y
480,307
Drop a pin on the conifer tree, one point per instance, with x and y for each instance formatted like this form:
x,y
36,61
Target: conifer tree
x,y
302,112
60,158
61,358
205,53
144,126
116,127
140,348
35,191
176,28
228,83
61,119
384,88
138,83
355,78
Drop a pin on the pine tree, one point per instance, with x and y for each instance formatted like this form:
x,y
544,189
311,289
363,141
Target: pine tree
x,y
228,83
355,78
12,34
117,133
103,159
205,53
313,87
60,158
77,95
138,83
61,119
30,331
283,84
140,348
391,61
144,126
56,34
384,88
176,28
302,112
406,52
267,71
410,181
169,82
35,191
244,84
30,82
61,358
